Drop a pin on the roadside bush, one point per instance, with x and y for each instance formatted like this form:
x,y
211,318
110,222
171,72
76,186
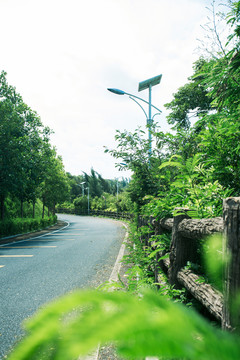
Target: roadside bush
x,y
66,205
21,226
81,203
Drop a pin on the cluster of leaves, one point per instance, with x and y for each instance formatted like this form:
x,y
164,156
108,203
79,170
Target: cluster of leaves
x,y
193,187
143,262
133,153
191,100
152,326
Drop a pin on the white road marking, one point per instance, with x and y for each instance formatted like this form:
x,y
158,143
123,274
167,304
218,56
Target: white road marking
x,y
52,240
10,256
25,247
70,234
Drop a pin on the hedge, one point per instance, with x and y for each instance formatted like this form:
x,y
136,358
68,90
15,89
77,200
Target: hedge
x,y
21,226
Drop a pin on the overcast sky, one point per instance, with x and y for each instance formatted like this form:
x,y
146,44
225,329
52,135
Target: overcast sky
x,y
62,55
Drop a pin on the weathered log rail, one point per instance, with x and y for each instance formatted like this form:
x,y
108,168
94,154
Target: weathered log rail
x,y
204,293
186,233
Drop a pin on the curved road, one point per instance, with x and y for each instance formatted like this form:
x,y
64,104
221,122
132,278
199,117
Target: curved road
x,y
37,270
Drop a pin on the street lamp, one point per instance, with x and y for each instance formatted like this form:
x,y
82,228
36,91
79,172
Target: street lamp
x,y
82,183
149,83
88,200
117,188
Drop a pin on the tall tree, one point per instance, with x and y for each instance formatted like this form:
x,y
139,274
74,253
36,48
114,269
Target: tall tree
x,y
22,139
55,186
11,135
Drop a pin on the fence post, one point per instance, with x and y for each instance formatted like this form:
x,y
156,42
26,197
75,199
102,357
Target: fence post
x,y
158,263
181,249
231,221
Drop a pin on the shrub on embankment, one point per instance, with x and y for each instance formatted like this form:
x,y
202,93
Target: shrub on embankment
x,y
20,226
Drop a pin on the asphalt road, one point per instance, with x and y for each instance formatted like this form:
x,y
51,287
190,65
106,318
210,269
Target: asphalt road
x,y
37,270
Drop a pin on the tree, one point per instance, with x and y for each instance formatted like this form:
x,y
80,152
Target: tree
x,y
215,134
132,153
93,183
191,100
22,141
55,187
33,145
10,131
220,138
221,71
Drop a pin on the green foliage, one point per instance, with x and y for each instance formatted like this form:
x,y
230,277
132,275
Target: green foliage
x,y
66,205
81,203
29,167
133,154
105,194
142,261
13,208
98,185
213,94
124,203
215,260
192,187
132,148
55,186
21,226
161,242
220,148
151,326
191,100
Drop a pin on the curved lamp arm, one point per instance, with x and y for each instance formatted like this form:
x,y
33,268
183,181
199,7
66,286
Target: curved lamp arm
x,y
130,97
159,113
121,92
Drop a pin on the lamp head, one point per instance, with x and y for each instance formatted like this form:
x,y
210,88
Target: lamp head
x,y
116,91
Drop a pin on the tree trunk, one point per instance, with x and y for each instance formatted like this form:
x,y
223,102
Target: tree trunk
x,y
21,210
2,207
33,209
43,210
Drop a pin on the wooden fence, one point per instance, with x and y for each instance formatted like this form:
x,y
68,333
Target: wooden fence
x,y
109,214
186,233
